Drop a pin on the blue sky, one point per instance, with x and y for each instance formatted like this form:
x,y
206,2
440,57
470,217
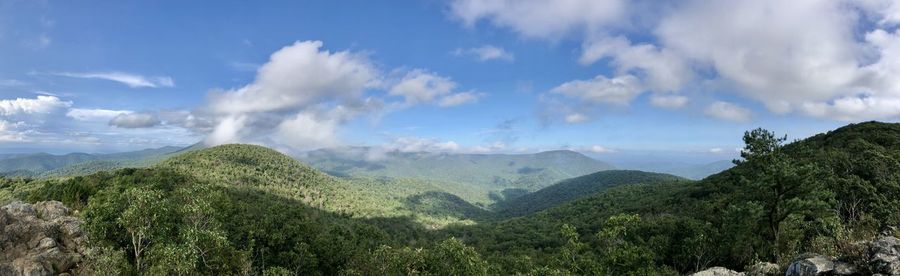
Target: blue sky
x,y
609,78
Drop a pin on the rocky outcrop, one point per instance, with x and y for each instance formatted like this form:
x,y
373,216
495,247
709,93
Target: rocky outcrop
x,y
764,269
811,266
885,255
39,239
718,271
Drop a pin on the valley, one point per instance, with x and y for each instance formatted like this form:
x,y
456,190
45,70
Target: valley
x,y
236,209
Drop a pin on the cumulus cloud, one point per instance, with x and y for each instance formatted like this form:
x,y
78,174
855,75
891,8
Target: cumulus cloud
x,y
39,105
298,76
135,120
419,86
302,96
668,101
664,69
832,59
297,99
8,131
486,53
716,150
131,80
423,87
619,90
728,111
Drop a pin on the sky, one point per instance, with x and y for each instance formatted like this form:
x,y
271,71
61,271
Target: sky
x,y
610,78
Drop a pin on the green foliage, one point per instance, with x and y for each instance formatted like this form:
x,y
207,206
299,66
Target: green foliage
x,y
574,188
105,260
240,209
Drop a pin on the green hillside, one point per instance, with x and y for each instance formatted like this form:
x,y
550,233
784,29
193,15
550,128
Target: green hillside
x,y
270,171
820,195
241,209
492,172
578,187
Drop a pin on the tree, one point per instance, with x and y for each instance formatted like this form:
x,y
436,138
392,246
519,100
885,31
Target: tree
x,y
784,187
142,218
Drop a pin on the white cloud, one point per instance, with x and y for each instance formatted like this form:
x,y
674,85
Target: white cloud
x,y
419,86
422,87
821,58
298,100
96,115
486,53
39,105
728,111
664,69
8,132
131,80
668,101
135,120
317,132
619,90
774,51
541,18
575,118
298,76
413,144
228,130
459,99
599,149
716,150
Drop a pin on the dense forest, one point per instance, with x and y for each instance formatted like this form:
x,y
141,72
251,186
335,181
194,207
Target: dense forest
x,y
241,209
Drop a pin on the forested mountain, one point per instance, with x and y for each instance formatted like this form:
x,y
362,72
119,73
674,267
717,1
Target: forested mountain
x,y
824,195
490,171
686,170
77,163
239,209
578,187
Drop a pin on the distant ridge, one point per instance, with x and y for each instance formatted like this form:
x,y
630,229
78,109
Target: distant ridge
x,y
44,164
529,172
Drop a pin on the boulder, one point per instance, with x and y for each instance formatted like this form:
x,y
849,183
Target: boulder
x,y
815,265
39,239
885,255
844,269
718,271
764,269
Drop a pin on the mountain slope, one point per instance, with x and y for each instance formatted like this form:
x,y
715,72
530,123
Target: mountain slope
x,y
578,187
725,219
258,167
267,170
489,171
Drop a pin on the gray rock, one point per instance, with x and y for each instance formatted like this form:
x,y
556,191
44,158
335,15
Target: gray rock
x,y
718,271
811,266
18,209
50,210
842,268
39,239
764,269
885,256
